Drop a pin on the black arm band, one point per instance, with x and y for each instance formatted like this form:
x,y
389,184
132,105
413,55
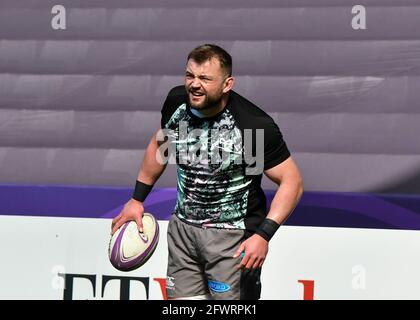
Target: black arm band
x,y
267,229
141,191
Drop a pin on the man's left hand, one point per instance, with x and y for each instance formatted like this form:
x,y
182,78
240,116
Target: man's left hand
x,y
255,251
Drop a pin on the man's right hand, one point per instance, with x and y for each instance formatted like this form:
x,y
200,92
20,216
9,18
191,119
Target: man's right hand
x,y
133,210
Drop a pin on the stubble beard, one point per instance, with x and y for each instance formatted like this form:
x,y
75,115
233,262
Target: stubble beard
x,y
208,103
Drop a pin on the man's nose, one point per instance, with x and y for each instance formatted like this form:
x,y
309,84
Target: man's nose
x,y
195,83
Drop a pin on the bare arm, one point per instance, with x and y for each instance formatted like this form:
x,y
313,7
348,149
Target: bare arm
x,y
290,189
151,169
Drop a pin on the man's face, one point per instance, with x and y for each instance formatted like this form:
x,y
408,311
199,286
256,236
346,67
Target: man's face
x,y
205,83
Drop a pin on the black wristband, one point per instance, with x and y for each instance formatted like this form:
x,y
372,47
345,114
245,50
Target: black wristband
x,y
267,229
141,191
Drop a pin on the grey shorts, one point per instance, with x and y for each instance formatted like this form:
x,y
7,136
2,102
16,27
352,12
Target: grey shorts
x,y
200,262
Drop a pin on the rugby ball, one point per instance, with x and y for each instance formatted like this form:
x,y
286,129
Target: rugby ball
x,y
130,249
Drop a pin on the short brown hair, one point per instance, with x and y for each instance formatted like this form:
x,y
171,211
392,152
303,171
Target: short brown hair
x,y
207,51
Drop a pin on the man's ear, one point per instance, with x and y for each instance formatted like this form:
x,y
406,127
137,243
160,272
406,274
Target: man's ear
x,y
229,82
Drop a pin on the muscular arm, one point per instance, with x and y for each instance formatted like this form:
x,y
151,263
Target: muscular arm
x,y
290,188
152,167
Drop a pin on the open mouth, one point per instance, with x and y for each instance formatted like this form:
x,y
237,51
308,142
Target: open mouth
x,y
197,94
